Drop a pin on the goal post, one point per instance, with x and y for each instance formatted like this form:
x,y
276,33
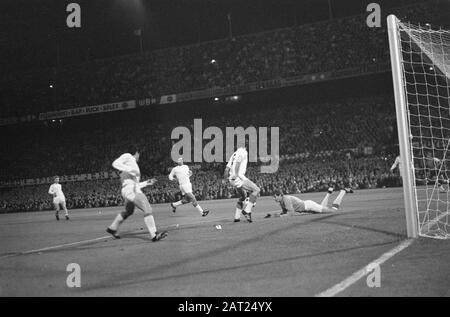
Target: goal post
x,y
420,62
402,127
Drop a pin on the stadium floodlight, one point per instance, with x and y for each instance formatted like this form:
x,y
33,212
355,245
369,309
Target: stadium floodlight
x,y
420,61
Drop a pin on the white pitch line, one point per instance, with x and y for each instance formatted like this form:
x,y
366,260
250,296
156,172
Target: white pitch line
x,y
53,247
336,289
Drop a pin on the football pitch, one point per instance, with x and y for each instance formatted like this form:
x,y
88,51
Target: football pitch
x,y
293,255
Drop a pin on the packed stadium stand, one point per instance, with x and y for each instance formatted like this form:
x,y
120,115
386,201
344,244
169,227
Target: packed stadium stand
x,y
345,142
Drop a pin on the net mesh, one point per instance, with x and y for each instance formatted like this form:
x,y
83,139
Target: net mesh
x,y
426,71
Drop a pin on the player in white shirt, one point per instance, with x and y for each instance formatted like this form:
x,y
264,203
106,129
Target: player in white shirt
x,y
291,203
58,198
235,172
181,173
398,163
132,194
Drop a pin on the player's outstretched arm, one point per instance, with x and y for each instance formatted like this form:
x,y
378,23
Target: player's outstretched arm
x,y
284,210
226,172
395,164
148,182
171,178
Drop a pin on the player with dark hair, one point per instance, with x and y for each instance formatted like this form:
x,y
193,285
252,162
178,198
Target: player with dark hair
x,y
291,203
132,194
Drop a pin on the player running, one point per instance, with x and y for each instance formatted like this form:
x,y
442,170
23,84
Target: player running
x,y
59,200
235,172
182,173
133,195
295,204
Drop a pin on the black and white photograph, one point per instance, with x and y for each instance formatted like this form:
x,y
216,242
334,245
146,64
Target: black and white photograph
x,y
224,154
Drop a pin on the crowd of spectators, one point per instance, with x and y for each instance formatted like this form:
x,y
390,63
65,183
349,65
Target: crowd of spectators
x,y
350,123
283,53
294,176
320,144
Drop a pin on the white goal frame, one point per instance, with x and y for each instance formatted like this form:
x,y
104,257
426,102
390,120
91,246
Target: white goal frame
x,y
404,136
433,58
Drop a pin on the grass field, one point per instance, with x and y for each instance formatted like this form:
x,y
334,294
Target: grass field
x,y
296,255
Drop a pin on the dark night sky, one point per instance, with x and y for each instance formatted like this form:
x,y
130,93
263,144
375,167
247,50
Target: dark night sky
x,y
33,32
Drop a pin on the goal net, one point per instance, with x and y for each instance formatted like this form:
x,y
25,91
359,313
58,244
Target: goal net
x,y
420,59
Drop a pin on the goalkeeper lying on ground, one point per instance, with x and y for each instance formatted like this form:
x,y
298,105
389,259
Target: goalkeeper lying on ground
x,y
292,203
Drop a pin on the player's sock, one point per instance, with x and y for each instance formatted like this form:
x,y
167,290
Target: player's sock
x,y
238,214
199,208
150,223
177,203
337,202
116,223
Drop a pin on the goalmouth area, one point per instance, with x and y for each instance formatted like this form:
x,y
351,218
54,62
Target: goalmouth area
x,y
294,255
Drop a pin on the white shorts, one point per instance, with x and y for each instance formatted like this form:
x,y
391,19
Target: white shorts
x,y
59,200
245,184
129,192
186,188
312,206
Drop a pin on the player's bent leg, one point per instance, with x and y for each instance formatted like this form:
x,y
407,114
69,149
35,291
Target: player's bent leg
x,y
242,195
337,202
64,207
176,204
129,210
56,205
238,212
312,206
143,204
120,218
251,187
151,226
254,190
203,212
327,196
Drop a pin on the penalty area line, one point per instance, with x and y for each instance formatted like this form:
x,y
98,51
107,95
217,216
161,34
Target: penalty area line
x,y
59,246
352,279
